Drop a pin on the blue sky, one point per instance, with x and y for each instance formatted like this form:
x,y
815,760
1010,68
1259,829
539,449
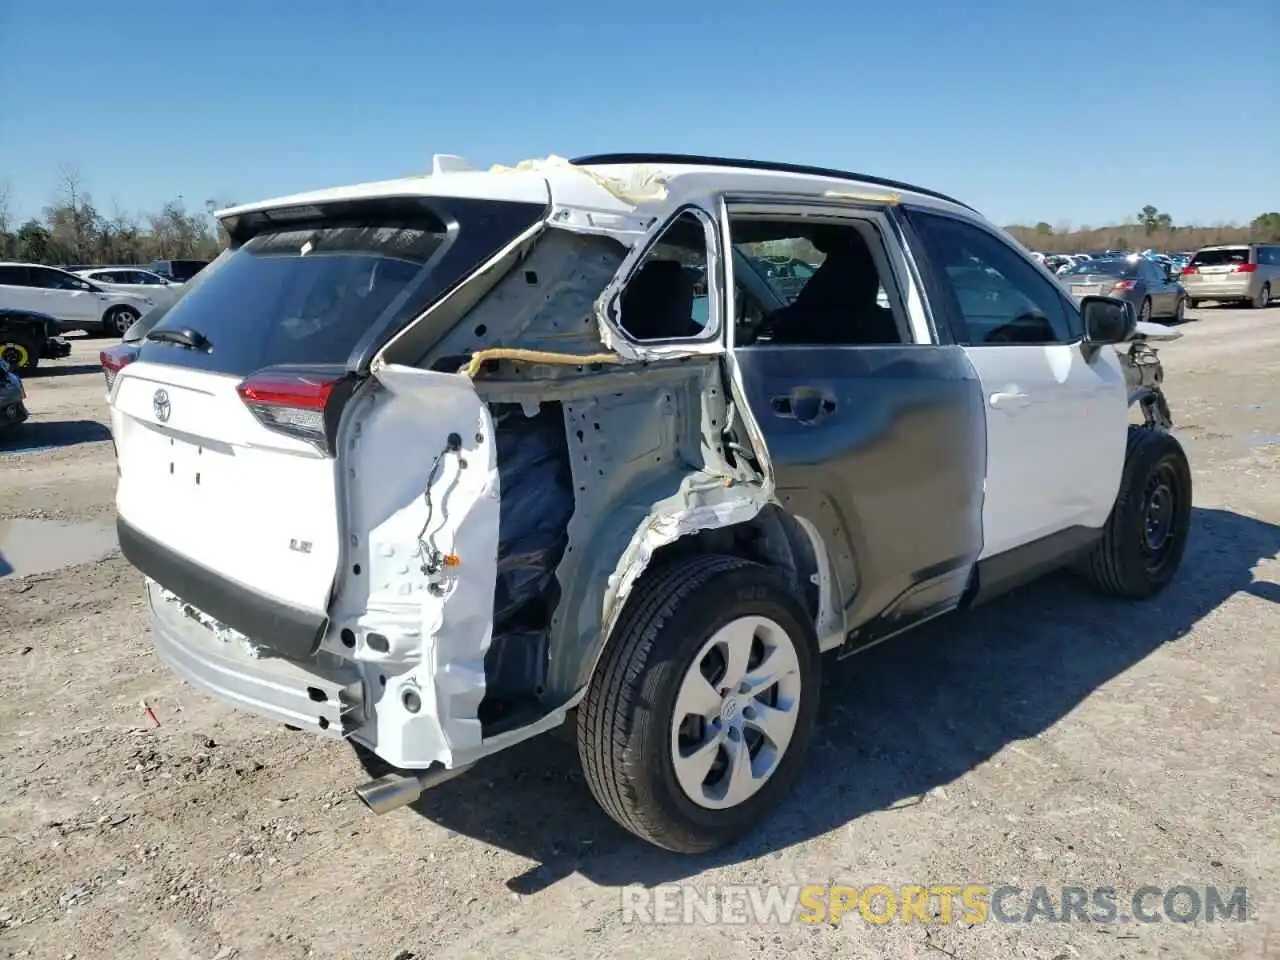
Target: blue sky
x,y
1020,107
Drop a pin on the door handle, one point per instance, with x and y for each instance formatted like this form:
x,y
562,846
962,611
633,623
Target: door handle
x,y
804,405
1008,399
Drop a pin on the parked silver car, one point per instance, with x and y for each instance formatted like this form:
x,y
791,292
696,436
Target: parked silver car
x,y
1152,292
1247,273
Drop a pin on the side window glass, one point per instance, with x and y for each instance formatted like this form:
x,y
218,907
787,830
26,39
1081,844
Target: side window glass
x,y
46,279
667,296
997,296
13,277
830,281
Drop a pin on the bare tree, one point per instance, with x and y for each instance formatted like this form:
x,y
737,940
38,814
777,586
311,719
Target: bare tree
x,y
73,221
7,240
6,210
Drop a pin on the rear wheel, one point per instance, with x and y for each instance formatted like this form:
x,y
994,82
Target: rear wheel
x,y
699,714
1180,311
20,351
1191,304
1144,313
118,320
1146,535
1263,298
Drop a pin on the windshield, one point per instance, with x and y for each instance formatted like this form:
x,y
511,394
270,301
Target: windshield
x,y
1111,268
1220,258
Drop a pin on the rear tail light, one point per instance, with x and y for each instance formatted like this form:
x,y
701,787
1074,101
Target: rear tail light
x,y
114,359
1188,271
302,402
1121,286
1245,267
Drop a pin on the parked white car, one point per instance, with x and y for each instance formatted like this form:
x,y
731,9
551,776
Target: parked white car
x,y
134,280
76,303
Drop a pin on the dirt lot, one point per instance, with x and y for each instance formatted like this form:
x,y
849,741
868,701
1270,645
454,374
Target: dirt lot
x,y
1050,738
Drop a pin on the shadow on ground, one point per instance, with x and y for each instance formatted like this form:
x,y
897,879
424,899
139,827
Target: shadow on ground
x,y
907,716
36,436
46,371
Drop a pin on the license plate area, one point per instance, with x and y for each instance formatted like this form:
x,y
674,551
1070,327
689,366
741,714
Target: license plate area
x,y
190,465
1086,290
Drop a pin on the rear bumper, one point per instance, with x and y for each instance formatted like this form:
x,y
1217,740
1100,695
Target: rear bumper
x,y
294,634
1236,289
324,696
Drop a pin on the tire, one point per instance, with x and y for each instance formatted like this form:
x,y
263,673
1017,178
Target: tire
x,y
1263,298
678,622
1191,304
1146,535
20,351
1180,311
1144,312
118,320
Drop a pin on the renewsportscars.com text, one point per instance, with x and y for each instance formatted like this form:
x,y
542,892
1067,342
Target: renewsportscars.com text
x,y
930,904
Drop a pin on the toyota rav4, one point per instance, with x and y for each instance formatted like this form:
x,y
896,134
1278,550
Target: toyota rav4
x,y
442,463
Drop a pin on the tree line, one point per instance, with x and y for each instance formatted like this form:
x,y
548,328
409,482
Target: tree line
x,y
1150,228
73,230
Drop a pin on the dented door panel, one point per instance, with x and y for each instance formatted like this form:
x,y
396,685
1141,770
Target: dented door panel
x,y
883,450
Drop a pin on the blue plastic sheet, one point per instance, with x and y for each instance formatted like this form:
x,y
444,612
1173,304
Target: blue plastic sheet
x,y
537,503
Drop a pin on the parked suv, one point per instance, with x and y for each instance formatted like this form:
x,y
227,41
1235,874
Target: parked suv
x,y
436,464
76,303
1247,273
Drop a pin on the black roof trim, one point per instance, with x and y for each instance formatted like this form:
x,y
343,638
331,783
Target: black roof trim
x,y
700,161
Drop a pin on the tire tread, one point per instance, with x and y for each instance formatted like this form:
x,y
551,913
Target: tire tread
x,y
610,704
1106,565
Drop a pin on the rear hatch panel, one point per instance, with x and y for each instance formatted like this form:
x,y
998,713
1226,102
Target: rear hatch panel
x,y
1218,271
236,519
238,513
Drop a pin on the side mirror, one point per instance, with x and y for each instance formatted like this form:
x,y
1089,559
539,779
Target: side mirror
x,y
1108,319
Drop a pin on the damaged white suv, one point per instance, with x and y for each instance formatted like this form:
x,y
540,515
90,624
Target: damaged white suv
x,y
436,463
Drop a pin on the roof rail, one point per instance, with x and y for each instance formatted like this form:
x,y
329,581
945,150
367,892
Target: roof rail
x,y
700,161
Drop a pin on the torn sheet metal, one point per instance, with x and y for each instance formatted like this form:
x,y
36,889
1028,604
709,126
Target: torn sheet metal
x,y
663,529
608,305
220,630
422,480
645,185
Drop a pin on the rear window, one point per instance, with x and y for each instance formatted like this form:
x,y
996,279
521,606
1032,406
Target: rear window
x,y
311,294
1111,268
1220,258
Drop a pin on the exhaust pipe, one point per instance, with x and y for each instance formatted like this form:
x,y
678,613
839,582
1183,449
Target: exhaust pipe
x,y
398,789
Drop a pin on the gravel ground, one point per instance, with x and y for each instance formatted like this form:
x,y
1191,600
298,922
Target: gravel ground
x,y
1050,738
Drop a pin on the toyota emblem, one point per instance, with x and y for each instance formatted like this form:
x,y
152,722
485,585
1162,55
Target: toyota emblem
x,y
160,403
